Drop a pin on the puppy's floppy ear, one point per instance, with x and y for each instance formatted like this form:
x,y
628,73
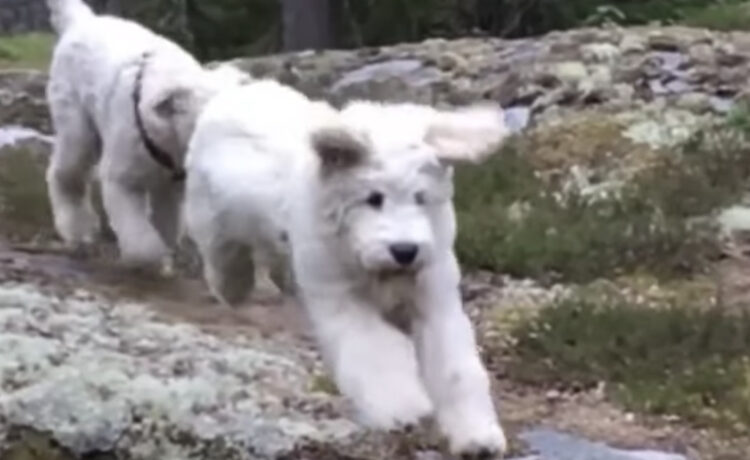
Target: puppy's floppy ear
x,y
467,135
338,148
172,102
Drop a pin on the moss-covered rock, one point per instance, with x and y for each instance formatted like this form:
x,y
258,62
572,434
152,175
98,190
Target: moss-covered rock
x,y
23,101
109,377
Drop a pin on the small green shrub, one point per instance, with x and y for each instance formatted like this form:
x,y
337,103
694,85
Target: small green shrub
x,y
24,206
722,16
657,222
687,360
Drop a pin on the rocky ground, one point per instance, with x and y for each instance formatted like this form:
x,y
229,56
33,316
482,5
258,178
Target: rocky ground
x,y
100,363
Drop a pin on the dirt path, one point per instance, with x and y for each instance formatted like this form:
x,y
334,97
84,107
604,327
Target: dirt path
x,y
176,299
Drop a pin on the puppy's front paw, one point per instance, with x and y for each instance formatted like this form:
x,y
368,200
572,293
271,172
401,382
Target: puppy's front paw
x,y
148,257
394,408
472,441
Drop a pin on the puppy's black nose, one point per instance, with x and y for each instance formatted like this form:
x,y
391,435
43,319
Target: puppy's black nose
x,y
404,253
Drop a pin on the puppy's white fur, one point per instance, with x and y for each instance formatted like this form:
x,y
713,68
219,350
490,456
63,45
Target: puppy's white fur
x,y
346,188
245,149
90,93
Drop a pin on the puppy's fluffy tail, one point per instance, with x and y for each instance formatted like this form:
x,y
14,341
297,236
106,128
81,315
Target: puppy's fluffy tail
x,y
64,13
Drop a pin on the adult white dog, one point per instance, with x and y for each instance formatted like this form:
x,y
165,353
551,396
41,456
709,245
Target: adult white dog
x,y
125,98
363,198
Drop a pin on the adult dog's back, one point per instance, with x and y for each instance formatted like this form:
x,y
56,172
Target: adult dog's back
x,y
94,51
126,98
64,13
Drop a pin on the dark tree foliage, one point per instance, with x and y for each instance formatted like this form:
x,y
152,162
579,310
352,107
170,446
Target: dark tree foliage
x,y
229,28
216,29
212,29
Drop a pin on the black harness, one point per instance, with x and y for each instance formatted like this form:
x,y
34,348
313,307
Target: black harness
x,y
160,156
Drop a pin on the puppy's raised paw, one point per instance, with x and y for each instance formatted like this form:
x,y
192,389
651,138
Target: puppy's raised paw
x,y
395,410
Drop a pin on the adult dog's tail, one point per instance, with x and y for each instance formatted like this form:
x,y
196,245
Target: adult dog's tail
x,y
64,13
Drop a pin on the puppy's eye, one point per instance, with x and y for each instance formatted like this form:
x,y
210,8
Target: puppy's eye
x,y
375,200
420,198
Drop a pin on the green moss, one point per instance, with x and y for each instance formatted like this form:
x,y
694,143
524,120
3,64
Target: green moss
x,y
687,360
27,51
725,16
24,206
323,384
29,444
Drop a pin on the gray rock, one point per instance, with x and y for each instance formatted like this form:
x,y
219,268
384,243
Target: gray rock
x,y
107,376
517,118
702,53
611,67
734,224
632,43
579,68
13,136
571,72
411,70
22,99
553,445
393,80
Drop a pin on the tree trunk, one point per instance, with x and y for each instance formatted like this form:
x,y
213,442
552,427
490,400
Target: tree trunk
x,y
307,24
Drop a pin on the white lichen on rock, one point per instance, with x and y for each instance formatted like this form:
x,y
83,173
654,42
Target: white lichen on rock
x,y
104,376
662,127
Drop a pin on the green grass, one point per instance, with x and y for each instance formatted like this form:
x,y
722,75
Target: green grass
x,y
656,223
692,361
726,16
26,51
24,205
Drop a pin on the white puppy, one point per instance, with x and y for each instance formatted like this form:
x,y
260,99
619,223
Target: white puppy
x,y
363,198
125,98
246,146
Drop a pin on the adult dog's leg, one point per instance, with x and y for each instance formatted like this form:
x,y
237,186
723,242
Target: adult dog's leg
x,y
372,362
139,242
452,369
125,201
69,172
